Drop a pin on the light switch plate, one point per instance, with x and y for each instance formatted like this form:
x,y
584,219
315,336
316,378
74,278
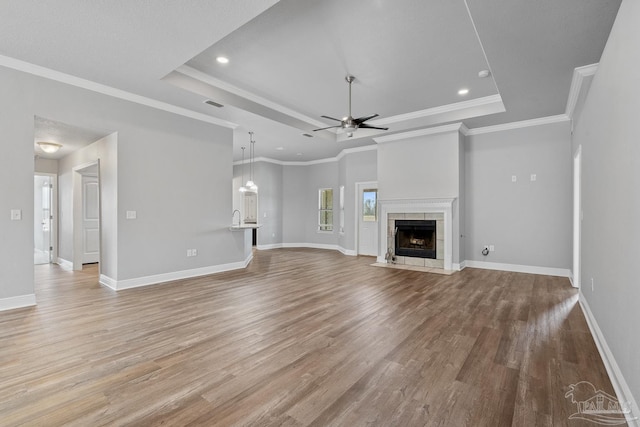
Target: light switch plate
x,y
132,214
16,215
514,178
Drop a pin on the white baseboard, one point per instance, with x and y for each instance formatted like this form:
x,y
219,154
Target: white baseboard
x,y
623,392
348,252
547,271
458,267
65,265
17,302
267,247
168,277
310,245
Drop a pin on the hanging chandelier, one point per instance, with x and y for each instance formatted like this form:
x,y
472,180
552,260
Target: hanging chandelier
x,y
251,186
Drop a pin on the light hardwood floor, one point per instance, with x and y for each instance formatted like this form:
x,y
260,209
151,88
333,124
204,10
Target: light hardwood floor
x,y
301,337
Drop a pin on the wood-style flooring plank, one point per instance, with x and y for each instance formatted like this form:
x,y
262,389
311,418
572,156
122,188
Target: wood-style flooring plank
x,y
301,337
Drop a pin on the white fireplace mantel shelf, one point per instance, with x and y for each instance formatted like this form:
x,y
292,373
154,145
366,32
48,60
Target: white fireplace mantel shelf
x,y
399,206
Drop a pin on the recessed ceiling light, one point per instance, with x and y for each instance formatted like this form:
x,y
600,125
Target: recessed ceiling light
x,y
463,91
222,59
279,148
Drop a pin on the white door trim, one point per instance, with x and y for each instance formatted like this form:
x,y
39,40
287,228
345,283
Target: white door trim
x,y
577,217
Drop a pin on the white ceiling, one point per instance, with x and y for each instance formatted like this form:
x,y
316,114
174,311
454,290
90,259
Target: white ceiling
x,y
288,59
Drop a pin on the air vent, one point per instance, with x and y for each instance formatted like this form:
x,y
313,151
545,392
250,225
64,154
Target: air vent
x,y
307,135
215,104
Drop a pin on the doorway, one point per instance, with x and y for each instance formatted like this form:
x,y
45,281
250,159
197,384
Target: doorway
x,y
367,218
44,219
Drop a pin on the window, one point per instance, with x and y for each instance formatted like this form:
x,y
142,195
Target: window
x,y
370,205
325,209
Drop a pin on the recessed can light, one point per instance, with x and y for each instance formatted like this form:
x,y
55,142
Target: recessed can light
x,y
463,91
222,59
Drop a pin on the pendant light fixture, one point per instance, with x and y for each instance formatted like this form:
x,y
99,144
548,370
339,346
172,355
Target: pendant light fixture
x,y
243,189
250,185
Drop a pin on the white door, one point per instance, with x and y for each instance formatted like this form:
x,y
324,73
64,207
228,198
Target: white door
x,y
367,219
90,219
43,242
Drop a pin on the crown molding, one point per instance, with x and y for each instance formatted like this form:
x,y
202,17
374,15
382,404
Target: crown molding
x,y
313,162
69,79
206,78
579,75
442,109
522,124
454,127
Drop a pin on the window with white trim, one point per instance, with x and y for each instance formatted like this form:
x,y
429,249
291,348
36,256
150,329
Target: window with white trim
x,y
325,209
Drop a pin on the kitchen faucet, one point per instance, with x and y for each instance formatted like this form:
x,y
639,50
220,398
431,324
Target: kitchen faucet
x,y
233,216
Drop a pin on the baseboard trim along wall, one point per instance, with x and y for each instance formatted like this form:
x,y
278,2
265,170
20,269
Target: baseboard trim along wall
x,y
547,271
623,392
118,285
20,301
64,264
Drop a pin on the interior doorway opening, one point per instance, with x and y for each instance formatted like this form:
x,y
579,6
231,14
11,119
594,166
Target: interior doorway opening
x,y
44,218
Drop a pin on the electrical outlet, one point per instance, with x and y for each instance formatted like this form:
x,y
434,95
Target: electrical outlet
x,y
492,248
533,177
16,214
514,178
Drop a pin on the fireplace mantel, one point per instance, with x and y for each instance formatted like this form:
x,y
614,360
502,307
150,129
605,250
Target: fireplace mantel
x,y
444,206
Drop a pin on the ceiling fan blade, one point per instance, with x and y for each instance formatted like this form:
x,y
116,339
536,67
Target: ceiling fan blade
x,y
329,127
331,118
364,119
366,126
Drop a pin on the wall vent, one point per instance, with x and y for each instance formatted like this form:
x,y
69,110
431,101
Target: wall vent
x,y
307,135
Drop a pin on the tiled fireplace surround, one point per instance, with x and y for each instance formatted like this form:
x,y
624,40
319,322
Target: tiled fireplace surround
x,y
420,209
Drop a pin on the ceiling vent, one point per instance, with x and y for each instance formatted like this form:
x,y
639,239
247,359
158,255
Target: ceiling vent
x,y
215,104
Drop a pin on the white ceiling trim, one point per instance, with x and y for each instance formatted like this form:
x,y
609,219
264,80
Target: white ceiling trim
x,y
579,74
313,162
58,76
455,127
206,78
487,101
522,124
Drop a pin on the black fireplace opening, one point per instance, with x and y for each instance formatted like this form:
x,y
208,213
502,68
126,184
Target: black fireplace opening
x,y
416,238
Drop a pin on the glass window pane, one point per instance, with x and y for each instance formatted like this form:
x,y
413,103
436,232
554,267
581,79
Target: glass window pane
x,y
370,205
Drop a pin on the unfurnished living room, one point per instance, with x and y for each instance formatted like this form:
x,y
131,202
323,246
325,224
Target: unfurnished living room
x,y
319,213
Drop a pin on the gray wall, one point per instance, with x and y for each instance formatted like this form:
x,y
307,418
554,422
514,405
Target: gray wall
x,y
268,176
300,203
608,134
529,223
173,170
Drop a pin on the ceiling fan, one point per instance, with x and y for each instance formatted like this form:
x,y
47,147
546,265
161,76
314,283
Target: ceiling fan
x,y
349,123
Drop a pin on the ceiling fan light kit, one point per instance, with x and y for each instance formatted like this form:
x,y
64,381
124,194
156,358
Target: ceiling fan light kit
x,y
348,123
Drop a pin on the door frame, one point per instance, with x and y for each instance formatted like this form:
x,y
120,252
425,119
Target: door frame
x,y
54,213
78,250
360,186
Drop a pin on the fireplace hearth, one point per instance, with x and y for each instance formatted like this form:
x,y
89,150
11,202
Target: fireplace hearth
x,y
415,238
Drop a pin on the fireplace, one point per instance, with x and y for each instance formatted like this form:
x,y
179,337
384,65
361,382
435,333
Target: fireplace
x,y
415,238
